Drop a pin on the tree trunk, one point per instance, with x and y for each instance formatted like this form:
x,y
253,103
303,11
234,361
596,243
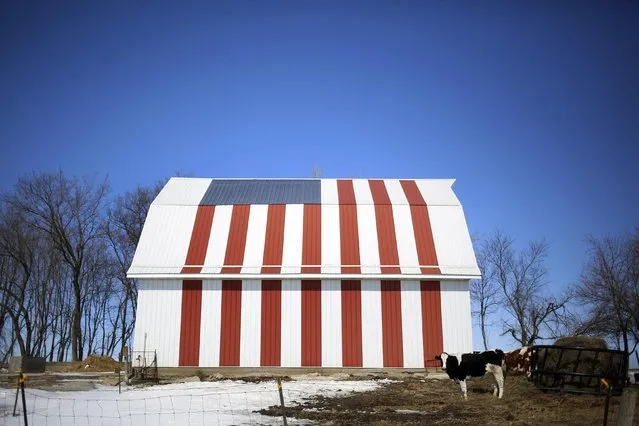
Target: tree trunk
x,y
625,340
483,331
76,327
18,335
9,349
124,315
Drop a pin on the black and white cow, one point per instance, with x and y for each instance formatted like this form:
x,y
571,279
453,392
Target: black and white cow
x,y
460,366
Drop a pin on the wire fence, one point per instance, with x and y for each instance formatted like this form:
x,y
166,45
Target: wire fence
x,y
162,405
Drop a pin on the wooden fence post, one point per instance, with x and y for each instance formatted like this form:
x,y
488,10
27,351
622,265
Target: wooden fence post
x,y
279,388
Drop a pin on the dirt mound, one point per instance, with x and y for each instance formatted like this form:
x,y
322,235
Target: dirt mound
x,y
97,363
582,342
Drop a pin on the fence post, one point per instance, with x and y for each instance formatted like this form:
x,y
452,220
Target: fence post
x,y
606,408
279,388
125,359
15,403
21,379
627,406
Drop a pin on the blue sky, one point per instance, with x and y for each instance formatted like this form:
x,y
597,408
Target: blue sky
x,y
533,106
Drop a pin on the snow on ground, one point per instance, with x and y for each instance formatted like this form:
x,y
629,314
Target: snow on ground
x,y
196,403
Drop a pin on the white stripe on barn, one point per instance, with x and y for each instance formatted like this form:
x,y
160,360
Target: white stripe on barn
x,y
454,248
329,191
412,337
291,346
331,257
368,243
216,250
372,346
366,227
251,323
362,190
405,237
455,304
293,231
210,323
255,239
395,192
438,192
331,323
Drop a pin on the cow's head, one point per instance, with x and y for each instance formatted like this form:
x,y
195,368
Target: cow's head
x,y
443,357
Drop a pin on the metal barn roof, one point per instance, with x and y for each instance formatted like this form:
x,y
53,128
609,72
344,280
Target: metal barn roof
x,y
308,228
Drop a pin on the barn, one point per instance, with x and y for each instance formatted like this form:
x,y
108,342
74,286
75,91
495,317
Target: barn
x,y
369,273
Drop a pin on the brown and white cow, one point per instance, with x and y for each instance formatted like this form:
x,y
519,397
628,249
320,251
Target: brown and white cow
x,y
518,361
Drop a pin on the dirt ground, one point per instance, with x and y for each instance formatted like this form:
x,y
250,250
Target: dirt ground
x,y
438,402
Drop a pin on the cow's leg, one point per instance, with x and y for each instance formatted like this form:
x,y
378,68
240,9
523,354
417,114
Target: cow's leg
x,y
462,385
498,374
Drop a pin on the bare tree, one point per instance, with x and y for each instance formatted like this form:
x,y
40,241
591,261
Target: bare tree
x,y
70,212
125,222
608,290
18,246
521,277
63,262
484,292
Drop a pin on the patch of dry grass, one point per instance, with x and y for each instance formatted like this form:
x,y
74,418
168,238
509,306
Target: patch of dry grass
x,y
438,402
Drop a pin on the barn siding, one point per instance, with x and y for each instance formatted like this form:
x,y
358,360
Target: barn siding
x,y
230,323
159,317
412,336
373,353
291,347
331,308
431,322
311,323
271,323
456,319
293,323
191,312
211,323
251,323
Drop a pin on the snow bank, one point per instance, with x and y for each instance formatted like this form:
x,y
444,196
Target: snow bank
x,y
204,403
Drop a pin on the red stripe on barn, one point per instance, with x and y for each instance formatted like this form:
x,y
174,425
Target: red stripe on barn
x,y
231,316
190,323
431,322
348,230
351,324
386,238
274,239
392,324
199,239
311,323
412,192
237,239
271,336
424,241
312,239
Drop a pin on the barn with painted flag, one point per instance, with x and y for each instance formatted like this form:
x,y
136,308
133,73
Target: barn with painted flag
x,y
304,273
